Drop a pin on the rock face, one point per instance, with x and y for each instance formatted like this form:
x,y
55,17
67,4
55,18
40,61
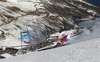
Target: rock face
x,y
43,17
3,0
2,36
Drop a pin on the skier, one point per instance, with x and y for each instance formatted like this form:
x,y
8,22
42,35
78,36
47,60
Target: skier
x,y
63,37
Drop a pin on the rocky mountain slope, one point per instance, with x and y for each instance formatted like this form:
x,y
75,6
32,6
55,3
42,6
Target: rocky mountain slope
x,y
43,17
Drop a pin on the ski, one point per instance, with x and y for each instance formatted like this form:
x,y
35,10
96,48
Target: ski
x,y
52,47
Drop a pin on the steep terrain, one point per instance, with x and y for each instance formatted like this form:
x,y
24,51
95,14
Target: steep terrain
x,y
83,48
86,50
43,17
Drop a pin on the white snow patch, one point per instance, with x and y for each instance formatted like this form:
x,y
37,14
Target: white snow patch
x,y
91,11
27,6
0,32
81,52
12,1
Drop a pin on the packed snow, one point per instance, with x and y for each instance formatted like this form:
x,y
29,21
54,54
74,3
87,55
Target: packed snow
x,y
83,48
21,17
87,51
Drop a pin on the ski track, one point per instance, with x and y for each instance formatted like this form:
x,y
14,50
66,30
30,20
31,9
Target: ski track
x,y
83,48
87,51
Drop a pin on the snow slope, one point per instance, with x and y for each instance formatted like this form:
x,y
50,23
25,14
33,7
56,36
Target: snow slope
x,y
91,30
87,51
43,17
83,48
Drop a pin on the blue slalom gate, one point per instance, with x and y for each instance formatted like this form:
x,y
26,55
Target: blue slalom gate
x,y
25,35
